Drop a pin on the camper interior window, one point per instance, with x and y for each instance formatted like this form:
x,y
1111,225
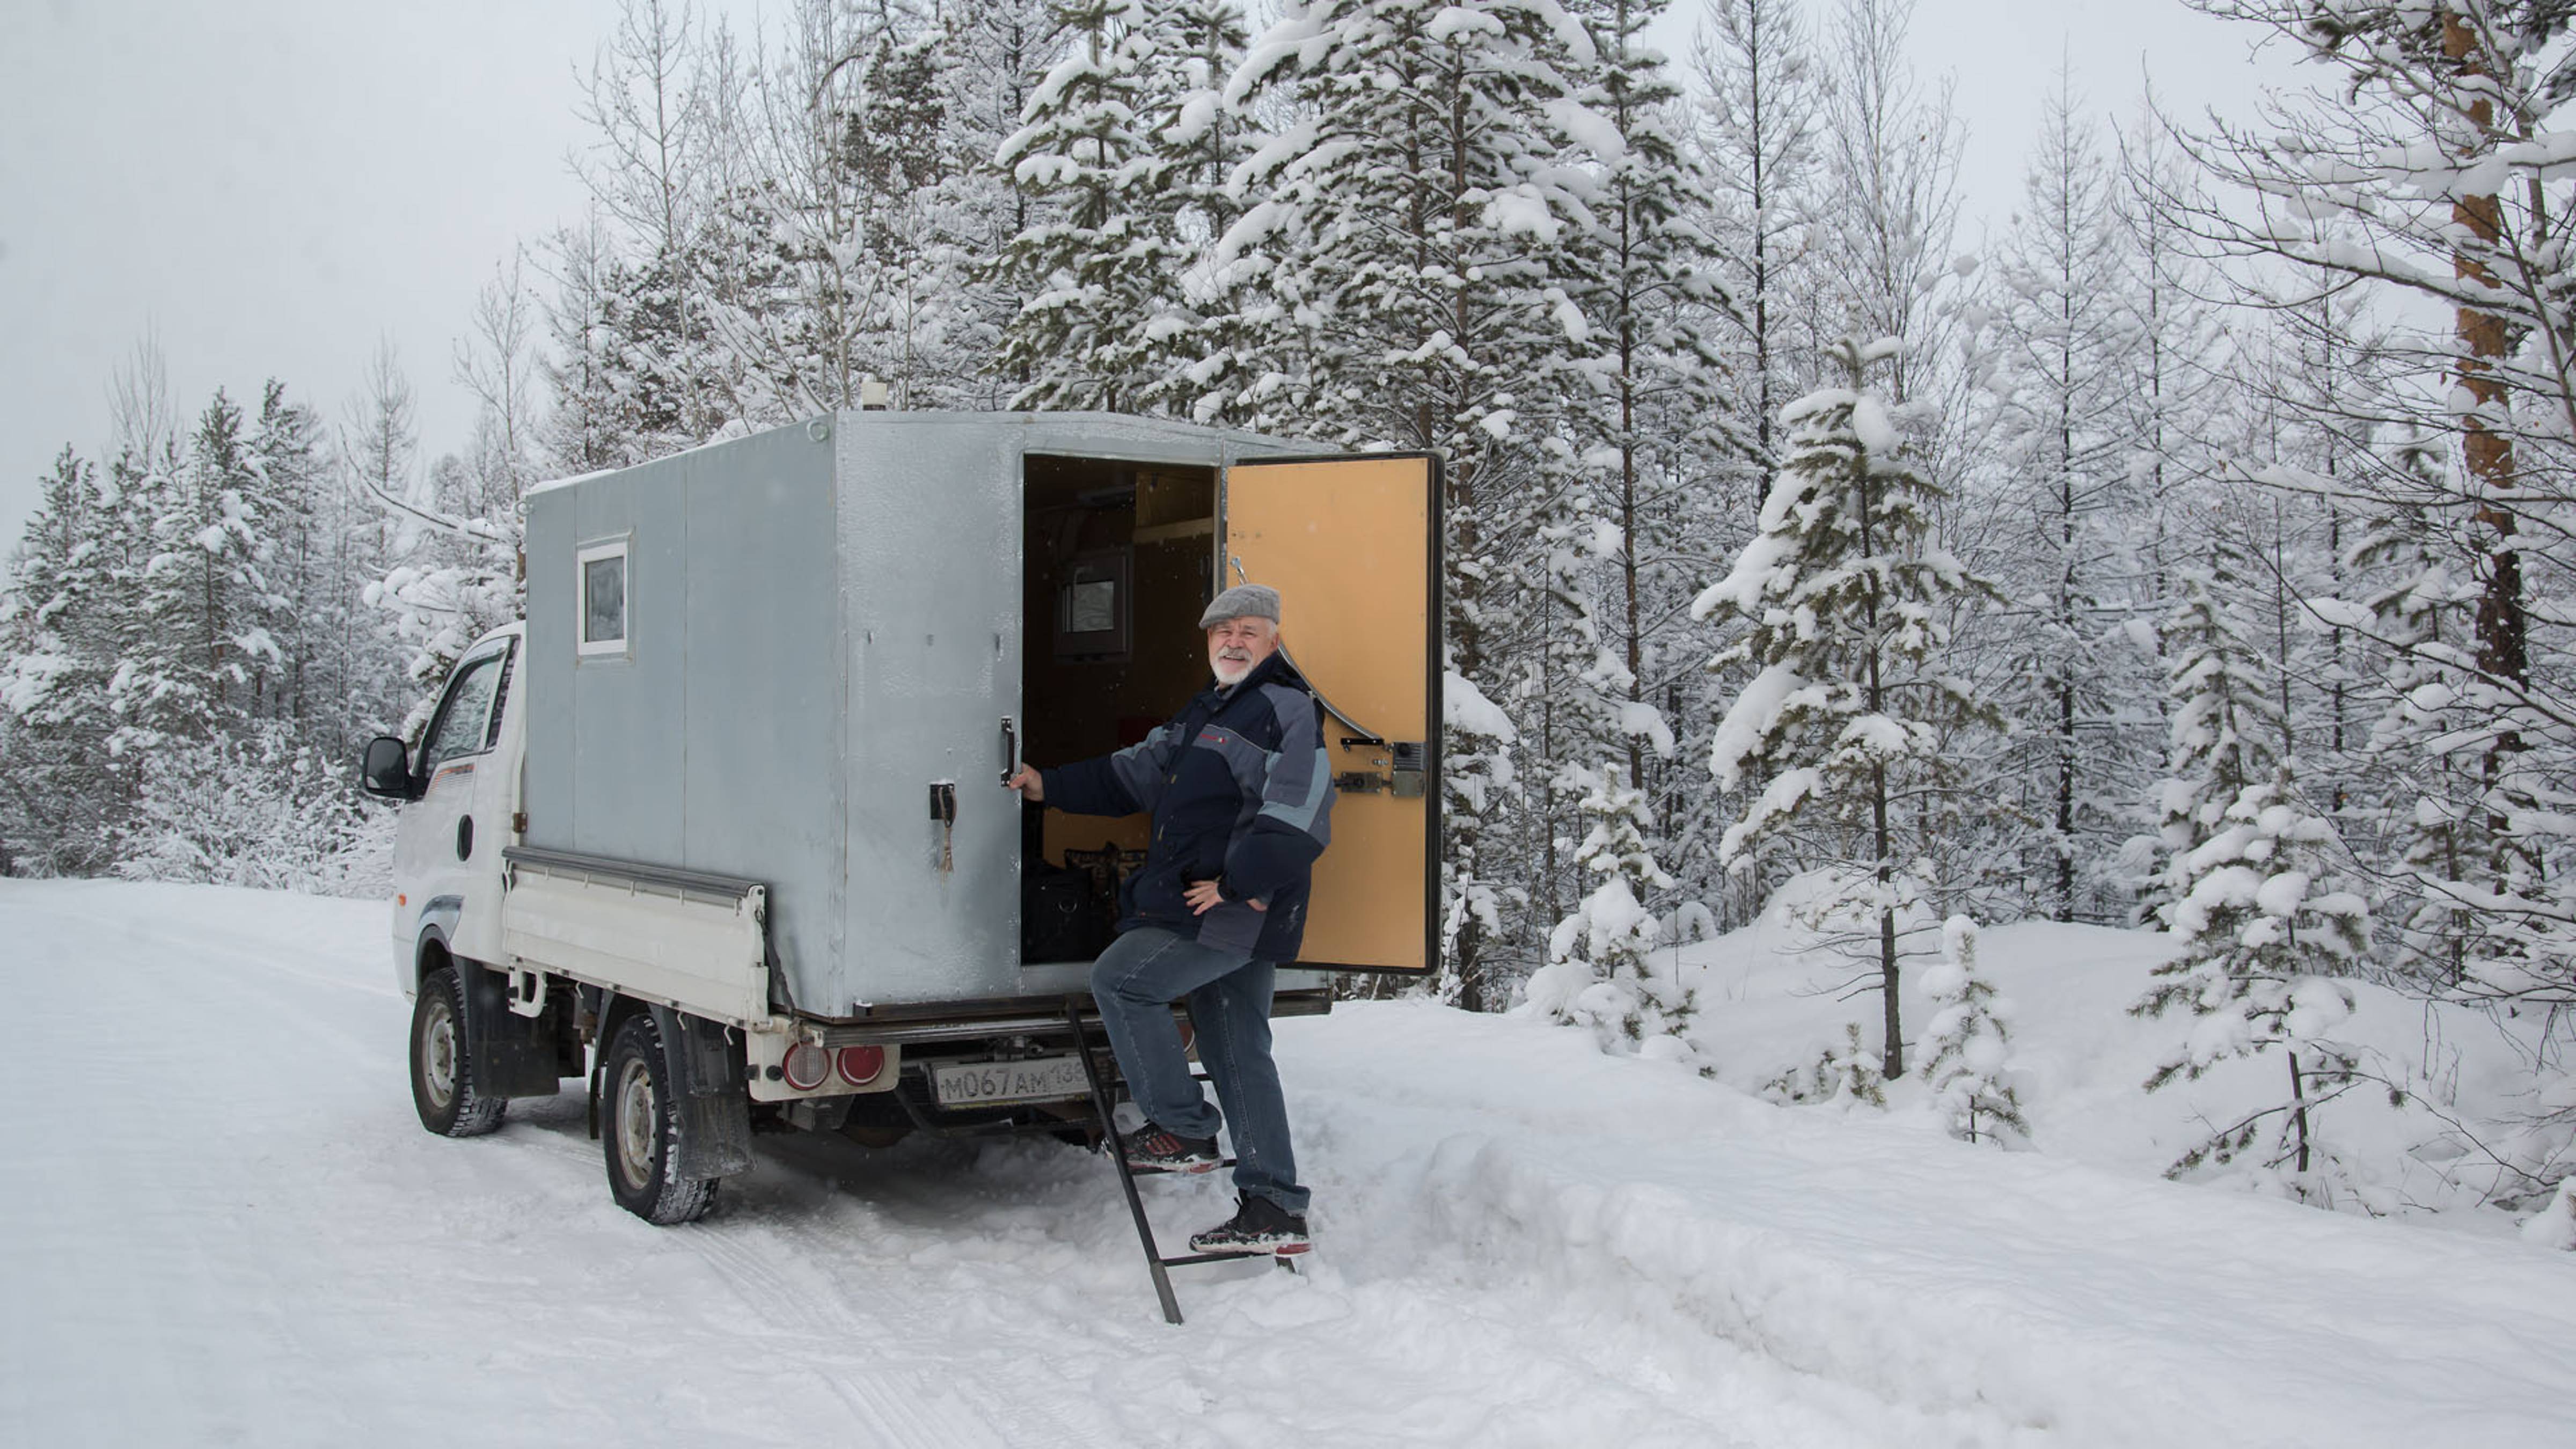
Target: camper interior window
x,y
1091,608
602,570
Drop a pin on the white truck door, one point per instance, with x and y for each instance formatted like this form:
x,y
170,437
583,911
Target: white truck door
x,y
1353,546
447,846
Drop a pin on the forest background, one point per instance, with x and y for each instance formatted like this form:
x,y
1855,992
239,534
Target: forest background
x,y
2187,552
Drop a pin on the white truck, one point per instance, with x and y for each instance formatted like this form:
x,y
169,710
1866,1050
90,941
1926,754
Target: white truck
x,y
720,828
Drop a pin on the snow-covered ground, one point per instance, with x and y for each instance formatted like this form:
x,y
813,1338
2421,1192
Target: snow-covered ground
x,y
225,1226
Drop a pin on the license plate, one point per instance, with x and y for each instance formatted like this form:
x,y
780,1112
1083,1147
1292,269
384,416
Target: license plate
x,y
983,1084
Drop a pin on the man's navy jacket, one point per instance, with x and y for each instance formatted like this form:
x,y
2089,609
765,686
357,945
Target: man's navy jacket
x,y
1240,793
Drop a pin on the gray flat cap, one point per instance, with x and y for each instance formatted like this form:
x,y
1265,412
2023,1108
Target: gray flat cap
x,y
1243,601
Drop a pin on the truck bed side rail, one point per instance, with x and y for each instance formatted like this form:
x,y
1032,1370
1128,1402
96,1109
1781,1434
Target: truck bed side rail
x,y
687,939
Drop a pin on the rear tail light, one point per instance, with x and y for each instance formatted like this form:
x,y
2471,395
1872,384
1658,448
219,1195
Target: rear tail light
x,y
861,1065
807,1066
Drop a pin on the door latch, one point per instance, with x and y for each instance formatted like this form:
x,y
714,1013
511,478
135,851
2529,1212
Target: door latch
x,y
1412,768
943,813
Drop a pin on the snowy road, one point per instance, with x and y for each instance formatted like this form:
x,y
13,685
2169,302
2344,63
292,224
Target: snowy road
x,y
225,1226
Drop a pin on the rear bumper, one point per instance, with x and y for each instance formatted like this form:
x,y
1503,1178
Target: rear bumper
x,y
936,1021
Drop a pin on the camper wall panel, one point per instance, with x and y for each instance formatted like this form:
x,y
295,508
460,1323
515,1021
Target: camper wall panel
x,y
761,788
710,743
929,531
602,728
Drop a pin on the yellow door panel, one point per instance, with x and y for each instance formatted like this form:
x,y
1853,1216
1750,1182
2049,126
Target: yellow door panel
x,y
1352,546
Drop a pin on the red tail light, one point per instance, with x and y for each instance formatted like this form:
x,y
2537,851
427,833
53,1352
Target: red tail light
x,y
861,1065
807,1066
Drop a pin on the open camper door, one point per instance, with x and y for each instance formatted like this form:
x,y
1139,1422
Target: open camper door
x,y
1352,544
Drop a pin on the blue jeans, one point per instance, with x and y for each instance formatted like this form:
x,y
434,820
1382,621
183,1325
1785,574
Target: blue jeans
x,y
1135,982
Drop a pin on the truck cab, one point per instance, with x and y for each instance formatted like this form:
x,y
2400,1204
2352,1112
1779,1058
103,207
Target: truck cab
x,y
461,796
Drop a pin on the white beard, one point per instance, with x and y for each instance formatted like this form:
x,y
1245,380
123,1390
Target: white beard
x,y
1230,672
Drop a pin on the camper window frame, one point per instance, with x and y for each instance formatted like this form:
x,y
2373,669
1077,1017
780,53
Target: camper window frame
x,y
620,548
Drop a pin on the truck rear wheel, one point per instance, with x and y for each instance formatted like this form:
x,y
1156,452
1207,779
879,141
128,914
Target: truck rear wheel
x,y
442,1062
640,1130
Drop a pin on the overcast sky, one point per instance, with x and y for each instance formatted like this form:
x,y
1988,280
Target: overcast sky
x,y
270,186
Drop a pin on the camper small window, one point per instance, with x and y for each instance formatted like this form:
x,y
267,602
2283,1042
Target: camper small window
x,y
602,571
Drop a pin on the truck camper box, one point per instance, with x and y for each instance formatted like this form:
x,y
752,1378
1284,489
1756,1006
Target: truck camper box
x,y
807,659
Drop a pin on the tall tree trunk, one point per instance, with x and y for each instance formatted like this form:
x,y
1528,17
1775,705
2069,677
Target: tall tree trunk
x,y
2501,623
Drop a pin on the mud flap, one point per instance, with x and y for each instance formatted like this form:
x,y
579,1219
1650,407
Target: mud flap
x,y
514,1055
713,1098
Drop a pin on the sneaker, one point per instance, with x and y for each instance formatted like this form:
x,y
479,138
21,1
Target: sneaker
x,y
1258,1226
1155,1150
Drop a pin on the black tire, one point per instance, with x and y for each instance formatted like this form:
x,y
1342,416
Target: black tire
x,y
442,1067
639,1133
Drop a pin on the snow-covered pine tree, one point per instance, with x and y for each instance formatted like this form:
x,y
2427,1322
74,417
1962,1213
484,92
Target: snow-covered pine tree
x,y
1600,971
60,789
991,58
1967,1045
187,652
1846,599
2173,419
1849,1072
586,425
1478,771
2062,347
2262,921
1105,260
1644,419
1885,269
1202,140
1412,220
2429,824
1891,160
286,448
1757,137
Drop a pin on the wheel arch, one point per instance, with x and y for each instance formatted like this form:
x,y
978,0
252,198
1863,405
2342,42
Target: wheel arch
x,y
430,949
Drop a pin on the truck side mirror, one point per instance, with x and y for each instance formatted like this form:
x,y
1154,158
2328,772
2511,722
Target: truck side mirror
x,y
387,769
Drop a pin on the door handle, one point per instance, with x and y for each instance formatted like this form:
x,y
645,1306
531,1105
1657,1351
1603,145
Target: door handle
x,y
1010,749
465,837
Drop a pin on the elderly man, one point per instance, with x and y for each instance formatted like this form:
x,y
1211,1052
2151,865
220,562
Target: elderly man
x,y
1239,791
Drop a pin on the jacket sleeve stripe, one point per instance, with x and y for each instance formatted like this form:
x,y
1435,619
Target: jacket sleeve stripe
x,y
1139,767
1299,789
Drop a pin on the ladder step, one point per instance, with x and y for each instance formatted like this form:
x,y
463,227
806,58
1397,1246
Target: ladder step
x,y
1284,1260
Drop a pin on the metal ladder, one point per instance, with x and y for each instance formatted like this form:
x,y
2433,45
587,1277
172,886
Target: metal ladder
x,y
1103,1104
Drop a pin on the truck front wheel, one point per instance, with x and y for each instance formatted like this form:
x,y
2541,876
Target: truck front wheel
x,y
442,1062
640,1130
